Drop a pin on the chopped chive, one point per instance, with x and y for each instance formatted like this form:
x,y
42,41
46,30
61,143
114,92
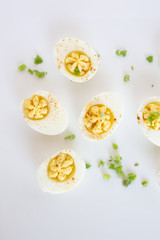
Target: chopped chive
x,y
136,164
132,68
102,114
129,180
98,55
106,177
30,71
38,60
101,163
88,165
22,67
145,183
39,74
126,78
77,72
152,116
149,59
70,137
121,52
115,146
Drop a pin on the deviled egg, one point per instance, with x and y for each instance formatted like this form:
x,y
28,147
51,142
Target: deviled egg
x,y
101,116
76,60
61,172
148,117
45,113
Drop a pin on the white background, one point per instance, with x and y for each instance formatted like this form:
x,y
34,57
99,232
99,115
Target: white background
x,y
96,209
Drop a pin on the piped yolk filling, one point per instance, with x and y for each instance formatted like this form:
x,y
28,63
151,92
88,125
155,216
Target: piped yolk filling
x,y
77,63
98,119
36,108
61,168
151,115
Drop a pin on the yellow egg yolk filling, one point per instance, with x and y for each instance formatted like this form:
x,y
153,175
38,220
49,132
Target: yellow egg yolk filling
x,y
36,108
151,115
98,119
77,63
61,168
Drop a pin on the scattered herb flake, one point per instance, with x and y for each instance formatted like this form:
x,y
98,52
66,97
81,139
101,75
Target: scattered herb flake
x,y
102,114
115,146
70,137
132,68
22,67
77,72
106,176
112,166
101,163
152,116
121,52
39,74
98,55
145,183
136,164
149,59
152,85
38,60
30,71
88,165
129,180
126,78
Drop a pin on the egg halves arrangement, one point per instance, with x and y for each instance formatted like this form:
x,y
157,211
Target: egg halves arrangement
x,y
148,117
61,172
75,59
101,116
45,113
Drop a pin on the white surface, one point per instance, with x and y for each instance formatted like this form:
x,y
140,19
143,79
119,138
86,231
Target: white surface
x,y
95,209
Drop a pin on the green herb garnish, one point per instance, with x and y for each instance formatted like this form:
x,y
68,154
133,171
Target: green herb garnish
x,y
102,114
149,59
77,72
117,166
101,163
145,183
121,52
130,179
39,74
152,116
136,164
126,78
30,71
22,67
70,137
98,55
106,176
88,165
118,170
132,68
152,85
115,146
38,60
117,159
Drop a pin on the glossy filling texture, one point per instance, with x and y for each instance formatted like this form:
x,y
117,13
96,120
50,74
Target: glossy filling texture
x,y
61,168
36,108
98,119
77,63
151,115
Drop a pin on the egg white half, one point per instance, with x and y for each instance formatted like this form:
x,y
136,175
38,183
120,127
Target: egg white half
x,y
114,103
51,186
67,45
55,122
152,135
